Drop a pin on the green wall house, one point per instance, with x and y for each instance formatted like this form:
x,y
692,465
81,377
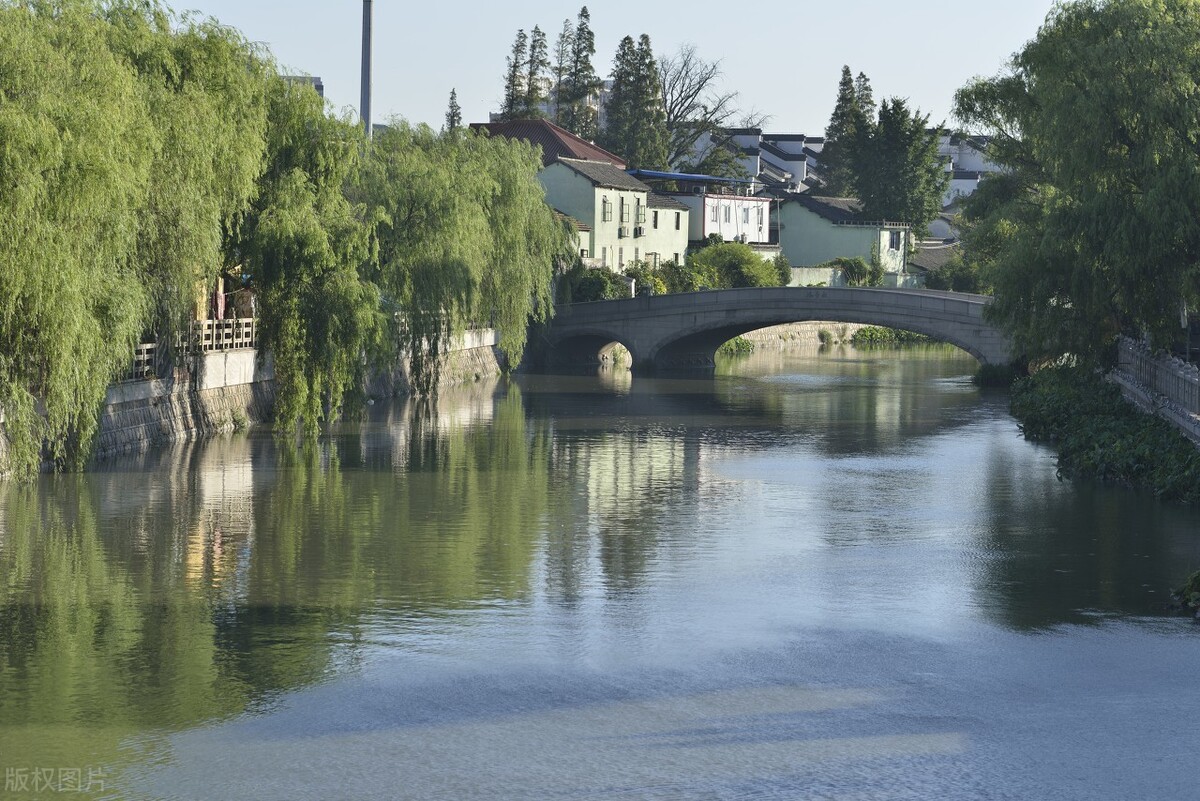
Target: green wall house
x,y
815,230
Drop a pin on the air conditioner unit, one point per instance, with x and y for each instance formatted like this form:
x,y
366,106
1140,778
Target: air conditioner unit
x,y
639,231
622,232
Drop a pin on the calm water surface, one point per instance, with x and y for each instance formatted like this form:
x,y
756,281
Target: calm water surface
x,y
824,576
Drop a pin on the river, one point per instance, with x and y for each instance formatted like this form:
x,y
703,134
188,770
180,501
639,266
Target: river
x,y
822,575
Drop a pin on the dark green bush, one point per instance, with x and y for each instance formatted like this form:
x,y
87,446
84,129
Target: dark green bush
x,y
1099,435
738,346
878,336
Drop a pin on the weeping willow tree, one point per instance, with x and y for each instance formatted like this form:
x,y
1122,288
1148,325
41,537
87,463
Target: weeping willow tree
x,y
75,155
464,236
132,140
306,244
204,87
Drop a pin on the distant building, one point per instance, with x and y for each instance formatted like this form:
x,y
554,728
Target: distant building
x,y
312,80
616,217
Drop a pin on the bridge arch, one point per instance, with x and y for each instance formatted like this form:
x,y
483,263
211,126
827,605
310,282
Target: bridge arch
x,y
685,330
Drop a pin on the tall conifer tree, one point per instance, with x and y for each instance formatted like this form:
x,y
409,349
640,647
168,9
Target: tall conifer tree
x,y
562,62
514,77
581,82
635,127
838,155
535,75
453,113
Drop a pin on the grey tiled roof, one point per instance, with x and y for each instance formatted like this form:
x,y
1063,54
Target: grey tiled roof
x,y
601,173
656,201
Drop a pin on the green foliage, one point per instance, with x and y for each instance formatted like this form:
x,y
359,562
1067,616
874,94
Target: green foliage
x,y
453,113
535,74
878,336
784,267
584,285
825,337
514,78
579,81
1096,229
648,281
889,162
464,236
856,271
845,125
898,174
1099,435
129,150
996,375
1189,593
635,127
959,275
738,346
305,243
732,265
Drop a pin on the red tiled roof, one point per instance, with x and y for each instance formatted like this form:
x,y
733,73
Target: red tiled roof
x,y
555,142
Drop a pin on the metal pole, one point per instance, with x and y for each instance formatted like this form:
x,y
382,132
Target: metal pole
x,y
364,107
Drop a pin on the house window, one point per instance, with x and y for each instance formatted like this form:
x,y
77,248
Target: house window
x,y
746,215
728,212
624,210
636,251
604,256
894,240
606,210
714,213
653,257
639,212
620,257
677,215
677,258
654,219
760,217
583,254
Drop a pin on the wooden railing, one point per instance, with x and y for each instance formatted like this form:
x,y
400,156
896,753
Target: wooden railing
x,y
207,336
1174,379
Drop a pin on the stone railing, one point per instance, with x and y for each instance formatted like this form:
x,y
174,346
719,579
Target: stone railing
x,y
208,336
1175,380
211,335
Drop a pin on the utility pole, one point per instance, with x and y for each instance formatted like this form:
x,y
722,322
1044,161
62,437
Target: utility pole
x,y
364,107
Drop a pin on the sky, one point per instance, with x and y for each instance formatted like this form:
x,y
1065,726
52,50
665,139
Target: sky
x,y
783,57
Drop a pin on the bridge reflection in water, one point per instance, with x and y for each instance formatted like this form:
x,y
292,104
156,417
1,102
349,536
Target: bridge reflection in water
x,y
684,330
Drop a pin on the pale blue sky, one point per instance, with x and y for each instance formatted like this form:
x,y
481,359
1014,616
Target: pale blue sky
x,y
784,57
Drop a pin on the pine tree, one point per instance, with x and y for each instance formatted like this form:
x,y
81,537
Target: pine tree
x,y
636,122
535,75
899,175
453,113
864,97
581,82
514,77
562,62
840,137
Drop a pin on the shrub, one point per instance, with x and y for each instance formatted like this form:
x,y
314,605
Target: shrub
x,y
738,346
877,336
825,337
733,265
1100,436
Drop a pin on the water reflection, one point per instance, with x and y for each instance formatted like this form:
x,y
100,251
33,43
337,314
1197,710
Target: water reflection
x,y
201,582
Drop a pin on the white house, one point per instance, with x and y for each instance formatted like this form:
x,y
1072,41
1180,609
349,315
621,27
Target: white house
x,y
624,225
967,162
735,217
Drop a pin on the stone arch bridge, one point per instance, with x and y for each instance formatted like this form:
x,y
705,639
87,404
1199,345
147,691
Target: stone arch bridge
x,y
684,330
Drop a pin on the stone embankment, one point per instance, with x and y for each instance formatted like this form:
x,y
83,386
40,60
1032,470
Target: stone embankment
x,y
230,390
806,334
